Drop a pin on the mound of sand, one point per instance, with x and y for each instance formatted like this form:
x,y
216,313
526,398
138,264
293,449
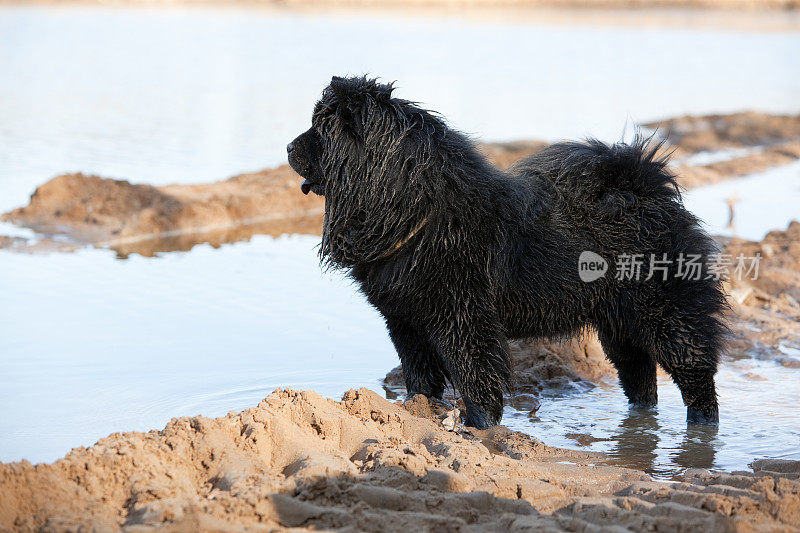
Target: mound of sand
x,y
756,142
739,130
365,464
766,311
144,219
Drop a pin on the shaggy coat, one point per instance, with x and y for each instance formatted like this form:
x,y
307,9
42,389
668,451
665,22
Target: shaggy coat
x,y
459,256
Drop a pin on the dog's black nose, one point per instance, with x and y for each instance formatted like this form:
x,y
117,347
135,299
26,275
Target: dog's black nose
x,y
289,148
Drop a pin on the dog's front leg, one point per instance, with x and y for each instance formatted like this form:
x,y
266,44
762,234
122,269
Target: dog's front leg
x,y
423,369
475,352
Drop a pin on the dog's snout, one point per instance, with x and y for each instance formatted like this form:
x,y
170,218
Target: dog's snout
x,y
289,148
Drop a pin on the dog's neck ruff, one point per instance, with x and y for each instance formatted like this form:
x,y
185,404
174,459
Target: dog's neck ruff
x,y
399,244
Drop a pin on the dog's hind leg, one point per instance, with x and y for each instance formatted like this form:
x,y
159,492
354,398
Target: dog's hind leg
x,y
636,369
693,370
688,348
422,367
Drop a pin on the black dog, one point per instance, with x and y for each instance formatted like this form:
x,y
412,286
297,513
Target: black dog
x,y
459,256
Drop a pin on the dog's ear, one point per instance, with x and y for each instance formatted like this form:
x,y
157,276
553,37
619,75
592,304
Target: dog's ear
x,y
342,89
382,92
348,96
348,90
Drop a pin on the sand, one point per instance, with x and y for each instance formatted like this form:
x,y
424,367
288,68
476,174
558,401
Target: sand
x,y
131,218
764,141
298,460
766,311
145,219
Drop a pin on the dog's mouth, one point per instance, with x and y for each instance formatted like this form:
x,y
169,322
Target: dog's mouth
x,y
312,186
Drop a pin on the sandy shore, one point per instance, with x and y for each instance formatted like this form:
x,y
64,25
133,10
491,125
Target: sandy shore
x,y
298,460
143,219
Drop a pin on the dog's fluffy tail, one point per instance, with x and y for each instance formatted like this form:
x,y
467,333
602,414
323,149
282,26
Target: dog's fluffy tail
x,y
618,174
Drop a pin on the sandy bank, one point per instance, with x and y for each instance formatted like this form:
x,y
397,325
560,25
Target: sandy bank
x,y
146,219
143,219
752,142
766,311
300,460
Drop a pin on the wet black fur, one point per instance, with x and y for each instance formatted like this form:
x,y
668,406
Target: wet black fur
x,y
459,256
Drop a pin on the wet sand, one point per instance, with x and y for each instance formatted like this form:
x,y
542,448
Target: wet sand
x,y
298,460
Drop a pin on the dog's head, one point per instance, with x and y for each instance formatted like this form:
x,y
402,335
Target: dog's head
x,y
357,127
370,155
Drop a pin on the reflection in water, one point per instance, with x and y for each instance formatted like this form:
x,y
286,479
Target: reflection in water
x,y
758,419
697,449
637,440
181,241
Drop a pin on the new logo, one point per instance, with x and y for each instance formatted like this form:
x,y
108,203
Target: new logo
x,y
591,266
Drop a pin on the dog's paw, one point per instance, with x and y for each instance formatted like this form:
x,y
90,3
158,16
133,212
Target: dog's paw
x,y
706,418
478,418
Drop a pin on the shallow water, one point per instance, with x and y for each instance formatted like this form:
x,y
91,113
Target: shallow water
x,y
92,345
758,413
762,202
189,95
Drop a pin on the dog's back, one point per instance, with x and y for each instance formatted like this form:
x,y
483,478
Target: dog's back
x,y
621,203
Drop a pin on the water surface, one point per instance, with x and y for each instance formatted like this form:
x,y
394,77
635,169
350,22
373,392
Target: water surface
x,y
758,418
92,345
762,202
188,95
